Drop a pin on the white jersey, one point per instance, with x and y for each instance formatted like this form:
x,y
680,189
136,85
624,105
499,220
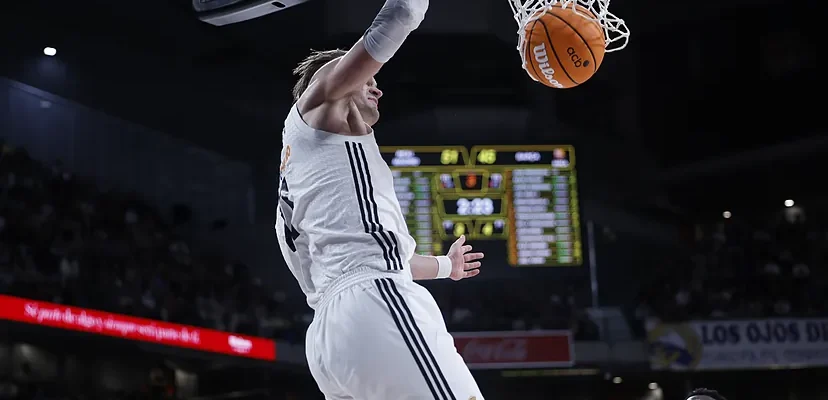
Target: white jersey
x,y
338,210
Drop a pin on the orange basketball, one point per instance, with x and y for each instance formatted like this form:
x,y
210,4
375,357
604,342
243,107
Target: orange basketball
x,y
563,49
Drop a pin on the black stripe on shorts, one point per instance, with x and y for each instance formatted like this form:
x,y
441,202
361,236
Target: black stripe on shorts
x,y
414,340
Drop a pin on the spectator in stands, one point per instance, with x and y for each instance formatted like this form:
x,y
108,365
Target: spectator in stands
x,y
745,268
64,241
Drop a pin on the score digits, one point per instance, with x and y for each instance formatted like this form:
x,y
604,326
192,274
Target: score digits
x,y
449,157
487,156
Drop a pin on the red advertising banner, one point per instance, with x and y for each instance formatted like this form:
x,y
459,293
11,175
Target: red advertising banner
x,y
532,349
146,330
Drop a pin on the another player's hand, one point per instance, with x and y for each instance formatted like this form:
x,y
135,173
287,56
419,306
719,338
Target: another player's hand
x,y
463,264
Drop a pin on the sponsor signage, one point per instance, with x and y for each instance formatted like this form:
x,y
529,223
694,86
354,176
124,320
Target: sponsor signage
x,y
132,328
504,350
738,344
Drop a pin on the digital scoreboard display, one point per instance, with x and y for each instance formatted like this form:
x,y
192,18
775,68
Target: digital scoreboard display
x,y
524,198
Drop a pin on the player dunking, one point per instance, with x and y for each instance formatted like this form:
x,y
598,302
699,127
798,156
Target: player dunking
x,y
376,335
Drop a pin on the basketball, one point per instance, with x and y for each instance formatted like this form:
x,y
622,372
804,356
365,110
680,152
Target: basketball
x,y
562,48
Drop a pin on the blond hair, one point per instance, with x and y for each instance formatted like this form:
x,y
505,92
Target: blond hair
x,y
308,67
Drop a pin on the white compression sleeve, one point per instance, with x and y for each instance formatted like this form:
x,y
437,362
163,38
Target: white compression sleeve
x,y
395,21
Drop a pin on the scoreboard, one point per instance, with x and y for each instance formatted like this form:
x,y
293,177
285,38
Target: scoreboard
x,y
523,198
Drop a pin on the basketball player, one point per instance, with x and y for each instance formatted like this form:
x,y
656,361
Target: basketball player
x,y
376,335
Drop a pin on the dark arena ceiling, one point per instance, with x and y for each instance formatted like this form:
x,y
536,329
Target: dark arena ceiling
x,y
697,86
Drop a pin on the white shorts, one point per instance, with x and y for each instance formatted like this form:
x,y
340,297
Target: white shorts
x,y
384,338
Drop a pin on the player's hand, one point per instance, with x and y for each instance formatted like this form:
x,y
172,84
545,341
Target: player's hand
x,y
463,264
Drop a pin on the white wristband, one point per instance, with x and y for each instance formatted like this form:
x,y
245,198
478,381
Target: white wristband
x,y
443,267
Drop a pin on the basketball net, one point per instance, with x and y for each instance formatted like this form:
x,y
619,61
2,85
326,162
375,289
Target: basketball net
x,y
616,33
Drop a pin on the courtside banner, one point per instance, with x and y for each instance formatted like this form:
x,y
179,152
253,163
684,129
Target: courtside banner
x,y
738,344
146,330
504,350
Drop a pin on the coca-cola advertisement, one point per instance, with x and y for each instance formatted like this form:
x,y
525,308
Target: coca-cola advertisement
x,y
534,349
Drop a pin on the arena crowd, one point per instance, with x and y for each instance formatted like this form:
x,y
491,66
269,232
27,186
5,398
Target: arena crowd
x,y
64,240
767,264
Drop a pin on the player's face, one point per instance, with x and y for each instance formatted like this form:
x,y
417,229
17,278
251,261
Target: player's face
x,y
368,102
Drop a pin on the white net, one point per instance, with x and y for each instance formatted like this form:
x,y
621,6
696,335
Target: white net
x,y
616,33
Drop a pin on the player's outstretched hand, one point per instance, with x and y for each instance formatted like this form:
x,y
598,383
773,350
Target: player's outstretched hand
x,y
463,264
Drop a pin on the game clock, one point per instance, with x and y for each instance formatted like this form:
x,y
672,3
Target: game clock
x,y
524,198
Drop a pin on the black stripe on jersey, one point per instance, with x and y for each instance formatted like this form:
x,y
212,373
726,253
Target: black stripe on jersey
x,y
414,340
363,202
389,237
396,248
371,206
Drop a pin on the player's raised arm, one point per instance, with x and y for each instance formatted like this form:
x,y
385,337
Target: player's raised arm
x,y
395,21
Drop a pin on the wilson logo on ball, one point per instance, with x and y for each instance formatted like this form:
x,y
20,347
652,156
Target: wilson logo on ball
x,y
563,46
543,64
576,59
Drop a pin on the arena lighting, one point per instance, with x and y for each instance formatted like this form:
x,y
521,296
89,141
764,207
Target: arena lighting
x,y
789,203
617,380
727,214
49,51
653,386
131,328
